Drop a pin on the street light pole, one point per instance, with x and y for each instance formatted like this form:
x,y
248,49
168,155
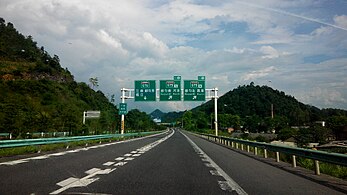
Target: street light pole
x,y
122,119
215,109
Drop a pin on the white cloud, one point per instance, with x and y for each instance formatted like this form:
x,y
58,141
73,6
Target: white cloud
x,y
258,74
269,52
341,21
231,42
107,39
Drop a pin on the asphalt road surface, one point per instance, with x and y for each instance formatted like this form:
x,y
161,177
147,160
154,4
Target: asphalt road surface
x,y
174,162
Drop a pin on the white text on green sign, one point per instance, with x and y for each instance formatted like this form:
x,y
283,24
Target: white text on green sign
x,y
194,90
145,90
170,90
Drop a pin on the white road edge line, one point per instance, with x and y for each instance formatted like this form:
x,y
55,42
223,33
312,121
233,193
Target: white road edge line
x,y
231,183
46,156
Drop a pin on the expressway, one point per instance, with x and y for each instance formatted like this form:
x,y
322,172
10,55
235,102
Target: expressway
x,y
174,162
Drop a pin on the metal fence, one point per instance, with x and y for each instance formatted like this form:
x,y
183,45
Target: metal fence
x,y
44,141
317,156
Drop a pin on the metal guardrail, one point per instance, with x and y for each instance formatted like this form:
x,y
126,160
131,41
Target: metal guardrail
x,y
334,158
44,141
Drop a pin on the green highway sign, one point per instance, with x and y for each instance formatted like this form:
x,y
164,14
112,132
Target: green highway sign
x,y
194,90
145,90
170,90
123,109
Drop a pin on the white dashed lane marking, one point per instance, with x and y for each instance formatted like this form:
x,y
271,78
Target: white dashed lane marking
x,y
91,173
15,162
119,158
120,164
108,163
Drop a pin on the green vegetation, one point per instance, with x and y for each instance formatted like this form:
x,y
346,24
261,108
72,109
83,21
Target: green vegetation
x,y
248,108
140,121
38,95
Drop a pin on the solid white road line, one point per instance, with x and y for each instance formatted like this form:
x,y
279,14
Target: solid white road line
x,y
229,184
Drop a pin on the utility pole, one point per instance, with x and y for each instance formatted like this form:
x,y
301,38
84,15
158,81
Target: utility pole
x,y
215,109
122,119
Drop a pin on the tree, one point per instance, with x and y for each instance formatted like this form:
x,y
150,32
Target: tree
x,y
94,82
336,124
286,133
187,120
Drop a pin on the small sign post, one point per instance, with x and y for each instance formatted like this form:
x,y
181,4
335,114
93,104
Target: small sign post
x,y
123,109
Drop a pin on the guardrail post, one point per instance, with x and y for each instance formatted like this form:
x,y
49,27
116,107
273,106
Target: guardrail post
x,y
255,151
242,147
277,157
316,166
232,144
294,160
39,150
265,153
247,148
237,145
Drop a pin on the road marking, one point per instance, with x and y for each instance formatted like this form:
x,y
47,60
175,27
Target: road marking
x,y
136,155
108,163
215,172
38,157
85,181
229,184
133,152
224,186
19,161
120,164
91,173
208,165
58,154
93,170
15,162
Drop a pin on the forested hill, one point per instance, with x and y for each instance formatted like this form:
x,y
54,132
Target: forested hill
x,y
38,95
255,101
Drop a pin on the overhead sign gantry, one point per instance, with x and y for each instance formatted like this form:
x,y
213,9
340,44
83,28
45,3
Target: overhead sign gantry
x,y
170,90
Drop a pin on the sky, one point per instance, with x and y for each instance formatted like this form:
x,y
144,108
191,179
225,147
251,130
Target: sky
x,y
295,46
